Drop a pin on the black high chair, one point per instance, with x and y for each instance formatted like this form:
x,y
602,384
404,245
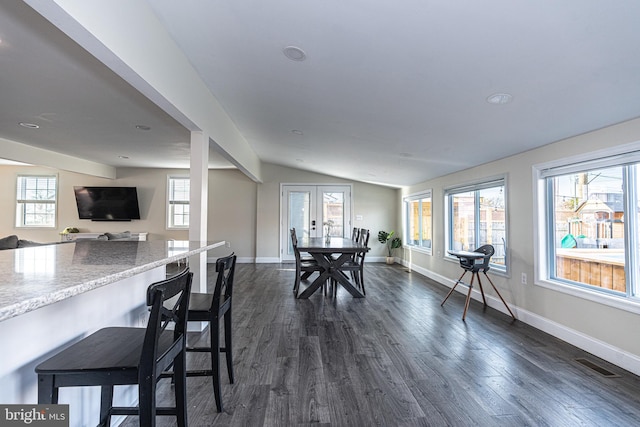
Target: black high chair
x,y
475,262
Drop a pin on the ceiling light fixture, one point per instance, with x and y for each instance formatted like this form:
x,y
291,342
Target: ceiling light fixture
x,y
29,125
297,132
143,127
123,157
499,98
294,53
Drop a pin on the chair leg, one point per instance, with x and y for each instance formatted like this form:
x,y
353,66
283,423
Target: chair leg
x,y
228,344
361,280
466,303
453,288
497,292
106,402
484,300
214,328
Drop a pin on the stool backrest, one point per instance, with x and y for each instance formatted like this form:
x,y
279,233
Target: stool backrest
x,y
223,292
168,301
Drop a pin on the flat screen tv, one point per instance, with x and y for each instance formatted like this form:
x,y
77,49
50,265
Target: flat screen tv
x,y
107,203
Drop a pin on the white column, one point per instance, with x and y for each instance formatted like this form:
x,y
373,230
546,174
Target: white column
x,y
199,176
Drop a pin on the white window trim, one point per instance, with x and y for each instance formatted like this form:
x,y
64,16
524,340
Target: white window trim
x,y
627,153
168,204
478,185
408,198
55,203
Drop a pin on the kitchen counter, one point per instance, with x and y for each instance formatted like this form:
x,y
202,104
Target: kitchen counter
x,y
38,276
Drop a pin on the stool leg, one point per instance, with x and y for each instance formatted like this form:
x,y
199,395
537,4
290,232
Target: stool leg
x,y
47,393
466,303
228,344
453,288
214,328
180,378
147,402
106,402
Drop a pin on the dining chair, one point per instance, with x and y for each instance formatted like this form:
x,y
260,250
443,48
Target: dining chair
x,y
305,267
129,356
356,265
215,308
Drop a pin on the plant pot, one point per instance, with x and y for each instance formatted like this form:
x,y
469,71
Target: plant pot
x,y
391,260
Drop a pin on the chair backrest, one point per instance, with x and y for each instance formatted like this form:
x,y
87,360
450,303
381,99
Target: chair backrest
x,y
223,292
168,301
294,243
355,234
478,265
364,241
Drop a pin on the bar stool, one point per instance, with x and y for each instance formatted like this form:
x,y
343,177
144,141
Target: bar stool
x,y
127,355
212,308
475,262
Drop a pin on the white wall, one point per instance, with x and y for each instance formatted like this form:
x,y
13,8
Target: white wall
x,y
606,331
240,211
376,204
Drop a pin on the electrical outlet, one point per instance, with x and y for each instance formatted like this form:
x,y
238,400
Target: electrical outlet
x,y
524,278
142,319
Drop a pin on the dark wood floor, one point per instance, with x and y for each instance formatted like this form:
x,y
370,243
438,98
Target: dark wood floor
x,y
396,358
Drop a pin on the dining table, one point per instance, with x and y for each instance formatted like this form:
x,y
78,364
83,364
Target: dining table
x,y
331,255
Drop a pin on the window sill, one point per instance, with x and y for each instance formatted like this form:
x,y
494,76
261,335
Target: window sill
x,y
622,303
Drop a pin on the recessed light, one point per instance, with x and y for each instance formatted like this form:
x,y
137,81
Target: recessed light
x,y
499,98
29,125
143,127
294,53
123,157
297,132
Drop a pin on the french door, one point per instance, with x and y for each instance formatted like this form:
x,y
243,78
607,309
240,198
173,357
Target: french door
x,y
308,207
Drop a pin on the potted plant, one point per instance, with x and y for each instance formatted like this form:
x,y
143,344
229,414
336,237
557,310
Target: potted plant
x,y
391,242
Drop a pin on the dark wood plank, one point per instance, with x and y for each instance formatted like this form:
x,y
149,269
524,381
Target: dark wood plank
x,y
395,358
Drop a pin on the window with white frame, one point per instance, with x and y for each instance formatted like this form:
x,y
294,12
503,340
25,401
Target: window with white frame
x,y
178,202
418,220
36,201
477,216
589,210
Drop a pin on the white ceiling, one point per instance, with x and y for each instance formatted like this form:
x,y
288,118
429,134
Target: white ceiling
x,y
390,92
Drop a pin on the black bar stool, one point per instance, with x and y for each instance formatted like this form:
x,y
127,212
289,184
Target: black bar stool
x,y
213,308
126,355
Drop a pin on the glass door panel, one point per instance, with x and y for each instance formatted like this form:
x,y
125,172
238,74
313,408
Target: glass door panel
x,y
310,208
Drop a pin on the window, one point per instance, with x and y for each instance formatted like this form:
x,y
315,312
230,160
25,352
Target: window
x,y
476,216
178,202
417,220
36,201
589,210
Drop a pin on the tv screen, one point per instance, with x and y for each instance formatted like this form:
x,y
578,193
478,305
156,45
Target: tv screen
x,y
107,203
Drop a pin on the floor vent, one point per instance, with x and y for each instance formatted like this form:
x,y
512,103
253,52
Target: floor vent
x,y
599,369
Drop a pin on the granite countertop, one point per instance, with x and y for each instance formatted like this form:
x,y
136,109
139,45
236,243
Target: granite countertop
x,y
37,276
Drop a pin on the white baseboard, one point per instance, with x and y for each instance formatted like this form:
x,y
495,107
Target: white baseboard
x,y
601,349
